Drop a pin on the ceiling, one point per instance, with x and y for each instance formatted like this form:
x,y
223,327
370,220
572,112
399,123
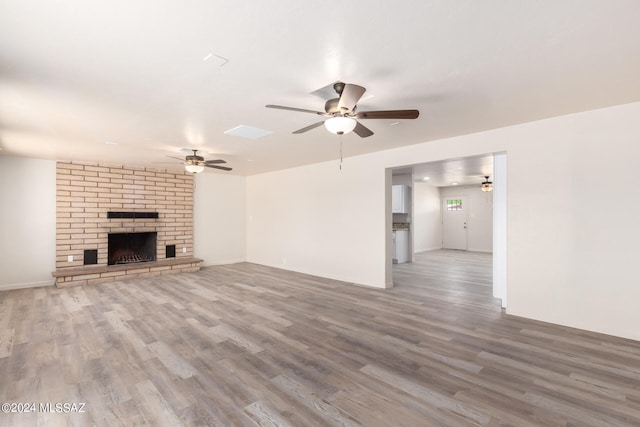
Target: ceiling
x,y
132,82
462,171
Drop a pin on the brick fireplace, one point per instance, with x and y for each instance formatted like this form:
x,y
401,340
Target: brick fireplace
x,y
147,212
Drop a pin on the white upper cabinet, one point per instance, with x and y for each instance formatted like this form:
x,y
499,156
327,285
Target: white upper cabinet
x,y
400,199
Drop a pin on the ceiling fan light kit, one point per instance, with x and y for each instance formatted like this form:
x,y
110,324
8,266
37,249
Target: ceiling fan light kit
x,y
193,168
340,125
487,185
194,163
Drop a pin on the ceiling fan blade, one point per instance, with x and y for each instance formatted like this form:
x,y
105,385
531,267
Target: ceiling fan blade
x,y
224,168
351,94
362,131
313,126
214,162
177,158
390,114
301,110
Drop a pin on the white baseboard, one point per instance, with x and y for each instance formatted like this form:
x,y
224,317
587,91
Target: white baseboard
x,y
322,275
417,251
480,250
12,286
436,248
231,261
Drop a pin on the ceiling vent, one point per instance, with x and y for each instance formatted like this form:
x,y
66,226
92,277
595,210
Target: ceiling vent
x,y
248,132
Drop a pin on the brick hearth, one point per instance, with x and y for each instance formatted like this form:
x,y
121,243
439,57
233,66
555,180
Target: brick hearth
x,y
86,192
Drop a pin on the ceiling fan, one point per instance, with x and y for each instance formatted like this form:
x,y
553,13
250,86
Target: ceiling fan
x,y
341,112
196,164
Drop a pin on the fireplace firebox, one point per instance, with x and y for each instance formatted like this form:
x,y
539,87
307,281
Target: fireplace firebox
x,y
127,248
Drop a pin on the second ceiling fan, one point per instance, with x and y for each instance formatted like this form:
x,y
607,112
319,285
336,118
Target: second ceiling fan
x,y
195,164
341,113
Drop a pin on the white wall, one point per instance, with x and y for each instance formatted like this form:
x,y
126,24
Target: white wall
x,y
571,246
403,179
320,220
219,218
27,222
572,212
427,219
479,216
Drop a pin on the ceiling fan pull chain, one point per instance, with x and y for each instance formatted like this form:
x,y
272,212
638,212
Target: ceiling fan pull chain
x,y
340,152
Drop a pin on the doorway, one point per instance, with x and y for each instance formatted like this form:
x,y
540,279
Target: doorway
x,y
465,174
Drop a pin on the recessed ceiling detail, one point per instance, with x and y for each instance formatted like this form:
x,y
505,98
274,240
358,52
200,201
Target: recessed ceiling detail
x,y
248,132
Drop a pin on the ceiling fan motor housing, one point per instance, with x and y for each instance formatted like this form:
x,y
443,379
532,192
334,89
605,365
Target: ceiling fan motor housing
x,y
331,107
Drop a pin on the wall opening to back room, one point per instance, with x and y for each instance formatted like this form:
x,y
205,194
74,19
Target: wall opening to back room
x,y
432,184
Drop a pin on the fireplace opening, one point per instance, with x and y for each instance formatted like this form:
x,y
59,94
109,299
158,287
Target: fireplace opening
x,y
127,248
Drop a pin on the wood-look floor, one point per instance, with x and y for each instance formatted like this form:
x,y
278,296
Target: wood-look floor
x,y
246,345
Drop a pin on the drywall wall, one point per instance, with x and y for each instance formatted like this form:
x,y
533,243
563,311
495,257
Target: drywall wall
x,y
219,218
427,219
479,211
321,220
570,247
402,179
572,227
27,222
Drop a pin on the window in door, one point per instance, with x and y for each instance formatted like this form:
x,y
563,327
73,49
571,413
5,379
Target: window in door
x,y
454,205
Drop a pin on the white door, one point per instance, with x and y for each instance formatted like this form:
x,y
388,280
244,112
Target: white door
x,y
454,223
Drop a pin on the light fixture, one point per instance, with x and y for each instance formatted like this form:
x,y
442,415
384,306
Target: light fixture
x,y
340,125
190,167
487,185
194,163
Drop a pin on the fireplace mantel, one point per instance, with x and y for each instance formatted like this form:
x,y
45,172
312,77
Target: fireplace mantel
x,y
132,215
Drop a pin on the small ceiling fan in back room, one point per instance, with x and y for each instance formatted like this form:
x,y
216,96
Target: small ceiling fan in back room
x,y
196,164
342,115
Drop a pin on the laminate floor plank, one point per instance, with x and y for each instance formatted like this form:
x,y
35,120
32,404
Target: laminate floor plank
x,y
249,345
